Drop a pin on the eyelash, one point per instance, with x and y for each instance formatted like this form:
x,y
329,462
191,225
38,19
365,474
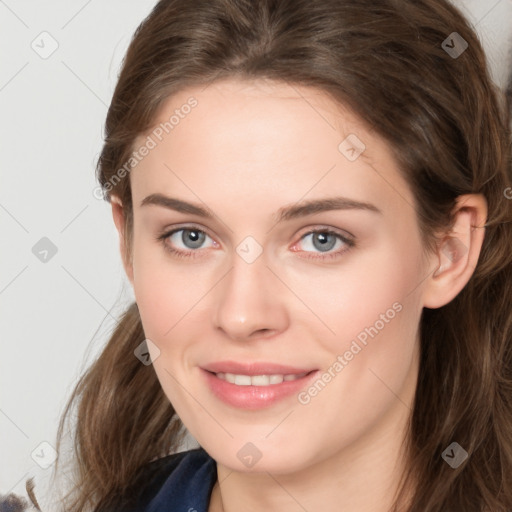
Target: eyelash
x,y
349,243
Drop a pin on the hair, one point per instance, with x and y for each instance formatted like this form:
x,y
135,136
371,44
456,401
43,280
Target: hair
x,y
448,125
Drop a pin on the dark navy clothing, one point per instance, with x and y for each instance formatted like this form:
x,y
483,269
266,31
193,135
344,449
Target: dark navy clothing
x,y
181,482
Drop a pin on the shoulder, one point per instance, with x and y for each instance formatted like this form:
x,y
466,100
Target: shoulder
x,y
183,479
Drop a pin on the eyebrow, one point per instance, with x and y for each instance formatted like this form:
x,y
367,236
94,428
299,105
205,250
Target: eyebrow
x,y
289,212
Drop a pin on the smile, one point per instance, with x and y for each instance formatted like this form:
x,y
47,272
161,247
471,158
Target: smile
x,y
255,391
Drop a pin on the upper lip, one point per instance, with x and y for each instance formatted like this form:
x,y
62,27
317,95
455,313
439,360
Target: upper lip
x,y
255,368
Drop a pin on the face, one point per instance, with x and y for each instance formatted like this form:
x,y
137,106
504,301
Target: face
x,y
261,270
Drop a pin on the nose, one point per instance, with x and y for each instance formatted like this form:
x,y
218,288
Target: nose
x,y
250,301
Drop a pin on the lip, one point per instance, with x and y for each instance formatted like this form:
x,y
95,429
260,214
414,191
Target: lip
x,y
255,368
256,397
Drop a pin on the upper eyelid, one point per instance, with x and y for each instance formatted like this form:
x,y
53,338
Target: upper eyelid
x,y
173,230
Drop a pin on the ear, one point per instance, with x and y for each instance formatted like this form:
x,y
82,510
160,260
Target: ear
x,y
118,214
458,251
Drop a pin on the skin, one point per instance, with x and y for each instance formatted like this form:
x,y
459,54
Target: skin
x,y
247,150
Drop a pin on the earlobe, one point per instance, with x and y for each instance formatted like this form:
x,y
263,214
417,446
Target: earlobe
x,y
458,252
118,215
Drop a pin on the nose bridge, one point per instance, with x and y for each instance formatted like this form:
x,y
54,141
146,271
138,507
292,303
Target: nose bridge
x,y
250,299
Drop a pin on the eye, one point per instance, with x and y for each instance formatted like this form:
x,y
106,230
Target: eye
x,y
183,242
325,240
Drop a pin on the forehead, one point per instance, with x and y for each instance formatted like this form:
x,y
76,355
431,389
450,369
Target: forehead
x,y
260,139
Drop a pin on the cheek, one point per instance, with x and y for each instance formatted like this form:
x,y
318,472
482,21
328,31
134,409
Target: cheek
x,y
163,292
376,328
365,286
374,308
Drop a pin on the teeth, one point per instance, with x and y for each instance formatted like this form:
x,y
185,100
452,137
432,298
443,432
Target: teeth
x,y
242,380
257,380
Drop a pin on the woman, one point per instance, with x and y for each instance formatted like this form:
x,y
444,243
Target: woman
x,y
312,204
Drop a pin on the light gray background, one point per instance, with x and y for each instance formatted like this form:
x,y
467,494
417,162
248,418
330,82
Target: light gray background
x,y
57,315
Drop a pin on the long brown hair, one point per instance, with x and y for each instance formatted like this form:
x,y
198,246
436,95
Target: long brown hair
x,y
449,128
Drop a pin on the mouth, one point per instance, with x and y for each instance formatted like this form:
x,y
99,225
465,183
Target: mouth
x,y
255,389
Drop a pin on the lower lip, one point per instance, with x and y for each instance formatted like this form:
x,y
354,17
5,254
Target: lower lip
x,y
255,397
